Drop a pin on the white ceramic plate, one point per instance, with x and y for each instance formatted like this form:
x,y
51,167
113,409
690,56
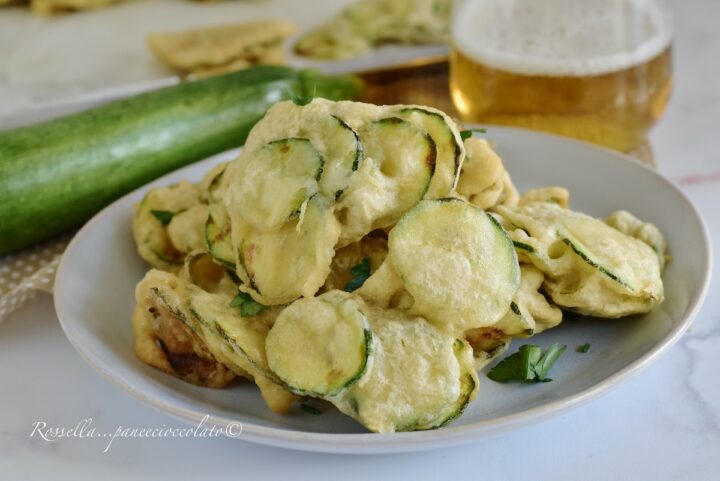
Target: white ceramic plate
x,y
94,298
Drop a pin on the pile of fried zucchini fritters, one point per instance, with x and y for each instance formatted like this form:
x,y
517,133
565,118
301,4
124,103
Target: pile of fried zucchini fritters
x,y
370,257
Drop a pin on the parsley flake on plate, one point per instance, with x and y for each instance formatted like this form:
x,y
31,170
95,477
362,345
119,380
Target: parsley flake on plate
x,y
529,364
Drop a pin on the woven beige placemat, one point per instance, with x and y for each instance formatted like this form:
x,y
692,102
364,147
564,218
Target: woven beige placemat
x,y
26,273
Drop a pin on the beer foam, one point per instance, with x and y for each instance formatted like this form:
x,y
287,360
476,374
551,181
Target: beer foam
x,y
561,37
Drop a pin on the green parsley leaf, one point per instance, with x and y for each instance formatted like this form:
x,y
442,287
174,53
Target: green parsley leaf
x,y
164,216
507,370
248,306
529,357
584,348
240,299
360,274
310,409
528,364
466,134
543,366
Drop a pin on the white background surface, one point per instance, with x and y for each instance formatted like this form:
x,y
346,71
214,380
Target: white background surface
x,y
663,424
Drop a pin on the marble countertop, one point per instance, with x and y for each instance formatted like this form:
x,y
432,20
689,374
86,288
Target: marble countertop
x,y
663,424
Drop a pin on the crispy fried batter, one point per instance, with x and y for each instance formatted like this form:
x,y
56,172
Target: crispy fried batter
x,y
164,342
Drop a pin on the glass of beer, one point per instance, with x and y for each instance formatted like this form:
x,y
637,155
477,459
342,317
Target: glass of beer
x,y
596,70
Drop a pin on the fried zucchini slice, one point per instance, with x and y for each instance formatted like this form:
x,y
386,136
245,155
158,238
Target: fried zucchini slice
x,y
218,235
335,140
488,343
420,378
396,173
343,152
217,46
483,179
469,385
450,150
219,329
457,263
151,219
238,342
530,313
164,340
367,24
280,266
627,223
590,267
156,348
404,153
186,230
274,181
211,185
201,269
321,346
223,328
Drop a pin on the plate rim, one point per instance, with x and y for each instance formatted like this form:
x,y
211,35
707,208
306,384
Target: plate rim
x,y
372,443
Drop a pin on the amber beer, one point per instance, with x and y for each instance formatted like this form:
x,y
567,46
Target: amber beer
x,y
594,70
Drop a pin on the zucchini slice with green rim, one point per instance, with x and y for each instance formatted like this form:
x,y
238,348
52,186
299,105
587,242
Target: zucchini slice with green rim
x,y
343,153
203,270
218,235
622,258
468,390
397,169
321,122
213,188
293,261
590,267
628,265
150,232
584,254
320,346
405,153
223,329
646,232
468,387
515,323
403,390
275,181
450,149
186,229
457,262
166,296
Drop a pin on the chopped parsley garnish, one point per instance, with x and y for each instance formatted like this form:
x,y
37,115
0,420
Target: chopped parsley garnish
x,y
310,409
584,348
164,216
360,274
529,364
248,306
466,134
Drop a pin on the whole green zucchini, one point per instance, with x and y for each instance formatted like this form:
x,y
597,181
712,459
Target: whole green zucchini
x,y
55,175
